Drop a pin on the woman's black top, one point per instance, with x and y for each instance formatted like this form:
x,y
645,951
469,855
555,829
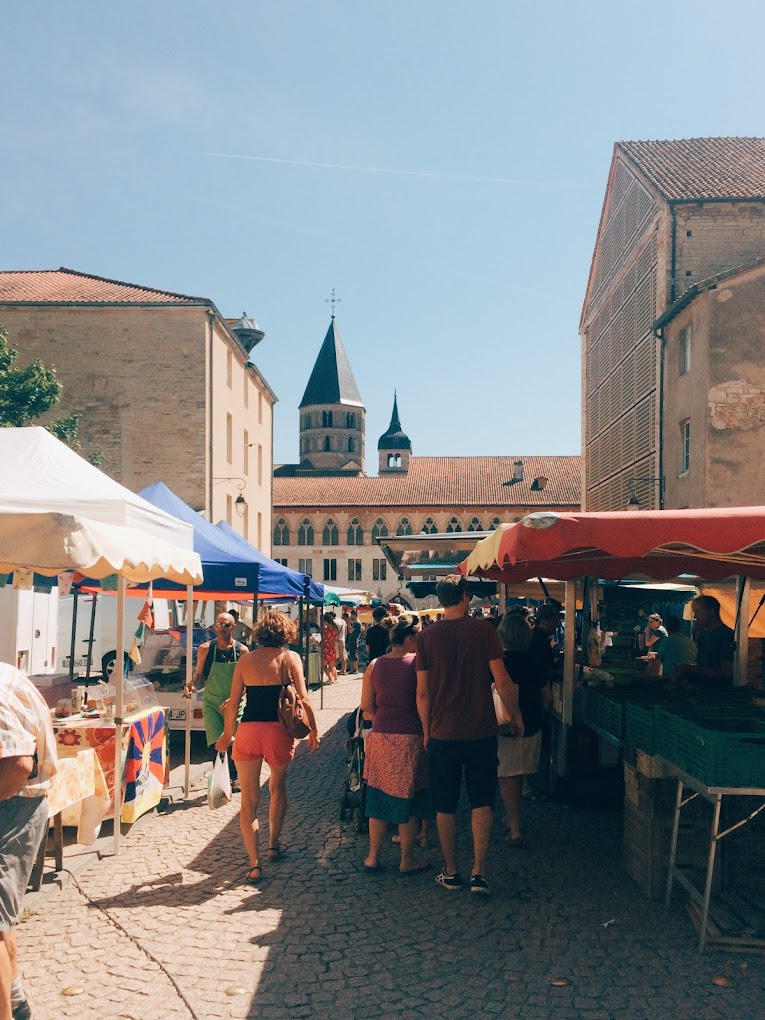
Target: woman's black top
x,y
524,669
262,703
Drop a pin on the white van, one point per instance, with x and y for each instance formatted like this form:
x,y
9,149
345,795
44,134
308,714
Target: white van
x,y
103,652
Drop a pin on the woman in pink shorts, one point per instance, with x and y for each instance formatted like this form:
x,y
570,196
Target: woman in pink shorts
x,y
259,676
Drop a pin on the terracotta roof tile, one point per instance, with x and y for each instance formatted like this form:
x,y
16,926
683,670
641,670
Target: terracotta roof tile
x,y
443,482
67,286
702,168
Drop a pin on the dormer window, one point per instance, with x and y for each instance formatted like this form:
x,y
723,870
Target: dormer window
x,y
539,483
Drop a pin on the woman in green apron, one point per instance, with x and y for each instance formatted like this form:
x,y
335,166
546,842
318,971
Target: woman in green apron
x,y
216,662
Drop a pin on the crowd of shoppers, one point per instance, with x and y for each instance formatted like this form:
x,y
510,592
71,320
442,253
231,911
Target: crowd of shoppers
x,y
704,657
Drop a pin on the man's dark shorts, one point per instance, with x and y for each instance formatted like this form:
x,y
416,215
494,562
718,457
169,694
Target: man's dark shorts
x,y
447,759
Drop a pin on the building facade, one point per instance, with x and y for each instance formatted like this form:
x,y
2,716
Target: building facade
x,y
165,385
326,522
674,214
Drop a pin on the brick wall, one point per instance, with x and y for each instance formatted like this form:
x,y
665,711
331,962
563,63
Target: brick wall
x,y
723,236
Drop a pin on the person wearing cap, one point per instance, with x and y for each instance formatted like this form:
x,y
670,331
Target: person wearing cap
x,y
654,632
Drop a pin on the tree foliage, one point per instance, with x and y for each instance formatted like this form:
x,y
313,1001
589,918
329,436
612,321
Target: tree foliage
x,y
28,393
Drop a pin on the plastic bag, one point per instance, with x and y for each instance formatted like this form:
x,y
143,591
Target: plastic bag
x,y
219,783
503,719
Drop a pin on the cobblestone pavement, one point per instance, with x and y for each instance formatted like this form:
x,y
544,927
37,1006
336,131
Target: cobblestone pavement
x,y
169,929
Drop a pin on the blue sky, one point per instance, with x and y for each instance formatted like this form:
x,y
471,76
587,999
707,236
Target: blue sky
x,y
460,292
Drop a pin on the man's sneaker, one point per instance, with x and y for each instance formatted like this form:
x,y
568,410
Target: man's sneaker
x,y
478,884
449,881
22,1012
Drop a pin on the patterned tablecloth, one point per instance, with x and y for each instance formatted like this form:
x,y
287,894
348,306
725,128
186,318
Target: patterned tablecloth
x,y
144,754
79,792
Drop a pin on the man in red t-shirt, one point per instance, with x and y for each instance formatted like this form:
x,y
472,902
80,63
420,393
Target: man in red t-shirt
x,y
457,660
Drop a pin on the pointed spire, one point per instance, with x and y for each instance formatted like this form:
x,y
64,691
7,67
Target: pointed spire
x,y
395,438
331,380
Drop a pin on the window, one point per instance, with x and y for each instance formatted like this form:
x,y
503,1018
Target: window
x,y
404,527
305,533
304,447
354,570
230,369
350,420
330,535
453,526
260,464
327,444
355,534
394,460
260,408
229,509
379,570
229,439
260,530
379,529
284,563
246,393
351,445
246,452
684,349
430,527
326,419
495,523
475,525
685,445
281,532
307,420
330,570
305,567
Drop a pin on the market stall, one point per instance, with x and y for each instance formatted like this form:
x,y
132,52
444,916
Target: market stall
x,y
709,744
58,513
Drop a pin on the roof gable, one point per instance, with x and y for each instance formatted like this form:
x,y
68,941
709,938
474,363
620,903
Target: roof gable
x,y
692,169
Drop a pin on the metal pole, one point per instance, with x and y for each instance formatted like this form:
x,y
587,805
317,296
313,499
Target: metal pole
x,y
305,625
741,670
569,649
189,678
75,598
89,663
119,676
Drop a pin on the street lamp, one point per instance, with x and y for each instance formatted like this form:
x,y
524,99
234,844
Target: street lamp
x,y
240,502
633,503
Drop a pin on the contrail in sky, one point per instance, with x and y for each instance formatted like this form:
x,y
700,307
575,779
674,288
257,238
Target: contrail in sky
x,y
367,169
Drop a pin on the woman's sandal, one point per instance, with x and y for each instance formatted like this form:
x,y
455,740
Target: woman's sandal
x,y
251,878
275,852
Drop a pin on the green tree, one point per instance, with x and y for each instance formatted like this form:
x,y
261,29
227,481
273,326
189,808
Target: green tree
x,y
28,393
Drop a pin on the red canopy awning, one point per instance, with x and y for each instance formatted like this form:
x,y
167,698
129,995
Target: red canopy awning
x,y
659,544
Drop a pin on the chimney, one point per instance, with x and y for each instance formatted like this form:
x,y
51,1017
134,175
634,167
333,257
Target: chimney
x,y
518,471
539,483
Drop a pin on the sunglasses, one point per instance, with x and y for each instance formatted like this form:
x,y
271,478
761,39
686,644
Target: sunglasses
x,y
226,625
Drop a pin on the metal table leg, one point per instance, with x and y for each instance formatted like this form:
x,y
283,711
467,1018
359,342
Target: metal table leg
x,y
673,847
710,871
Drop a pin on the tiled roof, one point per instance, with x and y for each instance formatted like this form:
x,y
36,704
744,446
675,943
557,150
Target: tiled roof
x,y
702,168
67,286
331,380
443,482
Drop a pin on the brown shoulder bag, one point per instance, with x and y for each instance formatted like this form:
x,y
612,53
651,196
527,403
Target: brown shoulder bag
x,y
293,714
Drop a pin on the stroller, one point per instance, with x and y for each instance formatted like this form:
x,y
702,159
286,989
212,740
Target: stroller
x,y
353,797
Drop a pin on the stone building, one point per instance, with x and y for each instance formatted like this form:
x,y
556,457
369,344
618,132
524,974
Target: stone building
x,y
675,213
166,387
328,513
714,391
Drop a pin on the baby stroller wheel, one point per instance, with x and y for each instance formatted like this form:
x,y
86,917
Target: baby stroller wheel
x,y
359,821
343,808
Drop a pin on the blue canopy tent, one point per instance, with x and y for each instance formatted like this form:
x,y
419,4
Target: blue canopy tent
x,y
275,579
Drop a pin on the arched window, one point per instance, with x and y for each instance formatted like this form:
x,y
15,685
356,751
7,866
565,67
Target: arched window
x,y
326,419
475,525
305,533
379,529
350,420
355,532
430,527
281,532
453,526
495,523
404,527
351,445
307,420
327,444
329,535
394,460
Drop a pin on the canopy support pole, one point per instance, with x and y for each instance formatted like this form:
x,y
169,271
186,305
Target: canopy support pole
x,y
75,599
741,667
569,648
89,662
189,681
305,626
119,676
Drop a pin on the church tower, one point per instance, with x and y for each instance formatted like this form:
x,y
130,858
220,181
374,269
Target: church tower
x,y
331,414
394,447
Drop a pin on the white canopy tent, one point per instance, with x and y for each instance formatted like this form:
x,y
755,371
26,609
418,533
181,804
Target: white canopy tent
x,y
59,513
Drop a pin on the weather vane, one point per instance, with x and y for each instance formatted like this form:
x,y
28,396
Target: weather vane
x,y
332,300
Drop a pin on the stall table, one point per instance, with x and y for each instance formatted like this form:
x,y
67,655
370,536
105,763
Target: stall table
x,y
144,753
714,794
